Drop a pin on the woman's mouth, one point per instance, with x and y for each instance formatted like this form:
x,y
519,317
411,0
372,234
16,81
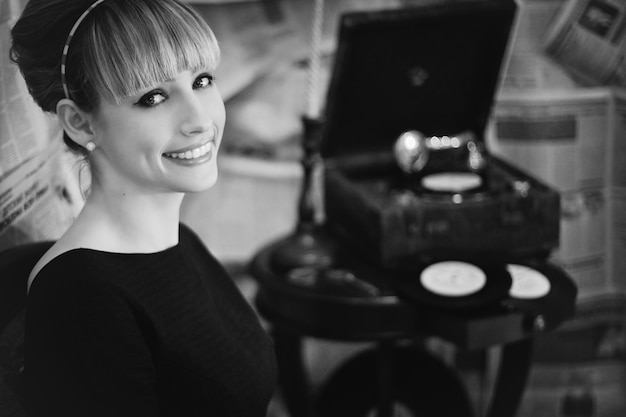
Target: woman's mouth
x,y
195,155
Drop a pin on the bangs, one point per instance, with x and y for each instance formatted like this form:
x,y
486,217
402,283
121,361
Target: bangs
x,y
135,45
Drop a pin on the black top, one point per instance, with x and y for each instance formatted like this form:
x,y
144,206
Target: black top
x,y
158,334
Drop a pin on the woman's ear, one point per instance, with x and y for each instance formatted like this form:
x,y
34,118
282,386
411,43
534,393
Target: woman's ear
x,y
77,123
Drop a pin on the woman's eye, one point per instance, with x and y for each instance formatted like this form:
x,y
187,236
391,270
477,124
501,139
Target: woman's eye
x,y
151,99
203,81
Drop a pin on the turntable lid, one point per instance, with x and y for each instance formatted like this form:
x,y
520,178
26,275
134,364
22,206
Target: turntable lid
x,y
433,68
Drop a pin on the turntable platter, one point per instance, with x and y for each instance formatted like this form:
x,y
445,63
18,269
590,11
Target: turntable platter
x,y
453,182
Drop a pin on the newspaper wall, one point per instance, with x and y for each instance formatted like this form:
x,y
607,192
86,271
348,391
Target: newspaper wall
x,y
559,116
589,39
574,142
528,67
39,194
564,44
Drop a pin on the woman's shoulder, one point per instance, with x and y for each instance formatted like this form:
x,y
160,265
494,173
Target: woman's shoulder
x,y
69,259
62,254
55,251
63,263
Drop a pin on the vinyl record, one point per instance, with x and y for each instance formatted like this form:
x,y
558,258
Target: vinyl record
x,y
541,288
456,284
528,283
453,278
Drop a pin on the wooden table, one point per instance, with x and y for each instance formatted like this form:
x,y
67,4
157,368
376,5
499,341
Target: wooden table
x,y
367,312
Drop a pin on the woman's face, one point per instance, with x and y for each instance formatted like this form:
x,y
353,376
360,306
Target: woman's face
x,y
164,139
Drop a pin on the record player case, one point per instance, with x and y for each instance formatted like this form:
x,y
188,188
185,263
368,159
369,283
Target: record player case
x,y
435,69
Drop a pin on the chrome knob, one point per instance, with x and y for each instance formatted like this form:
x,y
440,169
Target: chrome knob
x,y
411,152
412,149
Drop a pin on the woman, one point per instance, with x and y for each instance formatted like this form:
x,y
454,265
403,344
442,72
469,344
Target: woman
x,y
128,314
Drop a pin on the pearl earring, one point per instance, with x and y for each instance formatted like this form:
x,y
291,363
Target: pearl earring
x,y
90,146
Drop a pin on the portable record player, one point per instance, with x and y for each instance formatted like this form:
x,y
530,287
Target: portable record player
x,y
407,172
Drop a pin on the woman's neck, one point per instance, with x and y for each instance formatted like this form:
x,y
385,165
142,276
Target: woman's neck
x,y
129,223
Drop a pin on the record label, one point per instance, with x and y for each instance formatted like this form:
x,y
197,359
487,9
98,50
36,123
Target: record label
x,y
528,283
455,182
453,278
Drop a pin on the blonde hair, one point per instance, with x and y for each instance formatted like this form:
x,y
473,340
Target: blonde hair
x,y
120,48
134,45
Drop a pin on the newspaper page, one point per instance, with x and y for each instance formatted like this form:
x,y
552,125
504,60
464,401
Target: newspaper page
x,y
561,137
23,127
588,38
572,141
38,200
39,195
528,68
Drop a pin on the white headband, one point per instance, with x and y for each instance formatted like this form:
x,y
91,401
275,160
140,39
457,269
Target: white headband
x,y
66,47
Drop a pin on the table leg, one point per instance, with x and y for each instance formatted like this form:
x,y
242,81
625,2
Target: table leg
x,y
513,371
385,378
293,379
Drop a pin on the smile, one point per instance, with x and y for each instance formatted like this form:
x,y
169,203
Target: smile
x,y
198,154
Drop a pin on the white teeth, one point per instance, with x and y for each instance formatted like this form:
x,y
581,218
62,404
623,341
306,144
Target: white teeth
x,y
192,154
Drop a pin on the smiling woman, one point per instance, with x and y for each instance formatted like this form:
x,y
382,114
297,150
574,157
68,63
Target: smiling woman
x,y
128,313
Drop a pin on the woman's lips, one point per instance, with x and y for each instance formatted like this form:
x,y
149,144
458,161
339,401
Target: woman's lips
x,y
197,155
193,153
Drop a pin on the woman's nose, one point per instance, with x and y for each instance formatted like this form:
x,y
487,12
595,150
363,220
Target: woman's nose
x,y
195,116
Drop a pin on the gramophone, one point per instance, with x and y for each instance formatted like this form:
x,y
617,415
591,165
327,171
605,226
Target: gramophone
x,y
408,175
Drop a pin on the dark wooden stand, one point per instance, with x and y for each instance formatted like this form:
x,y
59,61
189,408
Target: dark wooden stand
x,y
295,312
